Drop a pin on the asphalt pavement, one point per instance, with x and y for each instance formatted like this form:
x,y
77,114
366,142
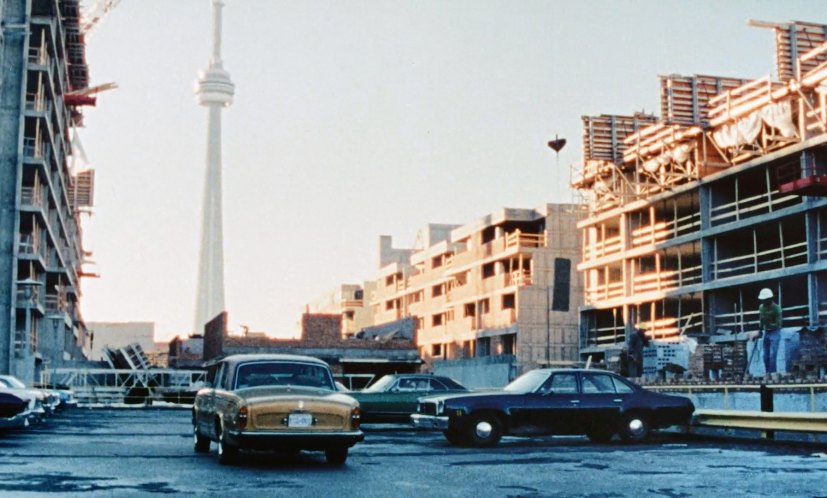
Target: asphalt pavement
x,y
148,451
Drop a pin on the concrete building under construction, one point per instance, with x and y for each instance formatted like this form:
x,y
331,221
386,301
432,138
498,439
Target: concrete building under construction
x,y
44,82
694,211
501,292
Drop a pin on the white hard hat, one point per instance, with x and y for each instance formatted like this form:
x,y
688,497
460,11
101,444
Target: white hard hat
x,y
765,294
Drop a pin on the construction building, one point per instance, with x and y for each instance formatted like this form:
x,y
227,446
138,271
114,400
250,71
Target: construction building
x,y
348,301
45,80
499,291
693,212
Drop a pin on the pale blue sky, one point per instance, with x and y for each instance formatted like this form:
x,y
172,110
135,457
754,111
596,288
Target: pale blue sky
x,y
355,119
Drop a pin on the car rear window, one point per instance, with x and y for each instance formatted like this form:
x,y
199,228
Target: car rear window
x,y
598,384
261,374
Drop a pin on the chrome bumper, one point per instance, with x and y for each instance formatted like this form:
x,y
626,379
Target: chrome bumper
x,y
19,420
431,422
294,439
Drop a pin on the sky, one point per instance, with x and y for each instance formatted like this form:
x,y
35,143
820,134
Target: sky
x,y
356,119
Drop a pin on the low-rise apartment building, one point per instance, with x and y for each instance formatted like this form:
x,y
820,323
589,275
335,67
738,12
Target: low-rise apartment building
x,y
503,286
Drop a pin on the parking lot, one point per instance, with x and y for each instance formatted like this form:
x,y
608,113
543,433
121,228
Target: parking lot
x,y
138,452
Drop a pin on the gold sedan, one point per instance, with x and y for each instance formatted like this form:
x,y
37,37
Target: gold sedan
x,y
275,402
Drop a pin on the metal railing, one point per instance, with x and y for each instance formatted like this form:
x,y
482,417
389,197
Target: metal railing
x,y
763,421
105,385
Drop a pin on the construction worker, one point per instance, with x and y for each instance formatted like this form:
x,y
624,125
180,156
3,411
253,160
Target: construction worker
x,y
769,320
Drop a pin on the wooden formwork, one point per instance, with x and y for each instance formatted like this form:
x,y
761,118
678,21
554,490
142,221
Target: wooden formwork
x,y
685,99
813,91
604,135
792,39
81,193
709,123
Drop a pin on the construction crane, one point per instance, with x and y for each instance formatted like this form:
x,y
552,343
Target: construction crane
x,y
85,96
95,14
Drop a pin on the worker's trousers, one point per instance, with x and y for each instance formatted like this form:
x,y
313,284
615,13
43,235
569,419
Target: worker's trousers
x,y
771,340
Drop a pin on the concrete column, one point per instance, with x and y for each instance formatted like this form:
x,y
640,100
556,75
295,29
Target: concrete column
x,y
13,53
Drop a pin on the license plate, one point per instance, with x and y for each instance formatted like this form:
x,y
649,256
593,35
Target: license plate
x,y
299,420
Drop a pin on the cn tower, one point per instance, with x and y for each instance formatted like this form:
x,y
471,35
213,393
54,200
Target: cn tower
x,y
213,90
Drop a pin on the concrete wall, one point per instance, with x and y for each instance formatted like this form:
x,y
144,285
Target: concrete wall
x,y
479,373
119,334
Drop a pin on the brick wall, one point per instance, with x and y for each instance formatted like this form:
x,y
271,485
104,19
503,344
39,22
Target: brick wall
x,y
318,331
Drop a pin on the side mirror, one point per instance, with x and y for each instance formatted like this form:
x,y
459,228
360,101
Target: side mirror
x,y
395,390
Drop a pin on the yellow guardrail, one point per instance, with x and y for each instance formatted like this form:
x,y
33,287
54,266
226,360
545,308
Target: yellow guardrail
x,y
765,421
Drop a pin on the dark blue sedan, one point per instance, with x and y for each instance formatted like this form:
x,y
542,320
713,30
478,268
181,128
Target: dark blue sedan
x,y
595,403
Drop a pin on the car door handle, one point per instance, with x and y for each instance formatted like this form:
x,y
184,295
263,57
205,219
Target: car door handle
x,y
617,400
575,401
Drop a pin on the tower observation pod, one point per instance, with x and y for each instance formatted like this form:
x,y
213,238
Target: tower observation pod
x,y
213,90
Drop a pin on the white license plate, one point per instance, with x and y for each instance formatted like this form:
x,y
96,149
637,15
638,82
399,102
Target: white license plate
x,y
299,420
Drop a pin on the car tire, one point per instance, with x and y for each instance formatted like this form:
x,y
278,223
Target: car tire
x,y
600,434
227,453
634,428
336,456
484,430
454,438
200,443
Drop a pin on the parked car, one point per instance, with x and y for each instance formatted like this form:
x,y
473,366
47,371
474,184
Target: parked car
x,y
48,400
15,409
64,392
596,403
393,398
275,402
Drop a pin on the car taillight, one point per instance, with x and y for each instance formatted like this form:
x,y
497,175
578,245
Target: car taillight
x,y
242,417
355,417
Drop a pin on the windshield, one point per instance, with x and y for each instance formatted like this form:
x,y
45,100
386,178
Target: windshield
x,y
12,382
380,385
280,373
528,382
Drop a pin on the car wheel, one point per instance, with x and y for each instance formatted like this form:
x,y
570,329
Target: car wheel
x,y
227,453
600,434
336,456
201,443
484,430
454,437
634,428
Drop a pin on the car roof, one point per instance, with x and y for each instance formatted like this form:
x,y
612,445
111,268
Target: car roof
x,y
415,375
245,358
573,370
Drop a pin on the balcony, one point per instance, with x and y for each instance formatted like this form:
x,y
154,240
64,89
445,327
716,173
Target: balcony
x,y
511,243
604,292
518,278
352,303
606,247
35,149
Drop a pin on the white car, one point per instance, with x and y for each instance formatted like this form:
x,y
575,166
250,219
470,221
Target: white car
x,y
49,399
